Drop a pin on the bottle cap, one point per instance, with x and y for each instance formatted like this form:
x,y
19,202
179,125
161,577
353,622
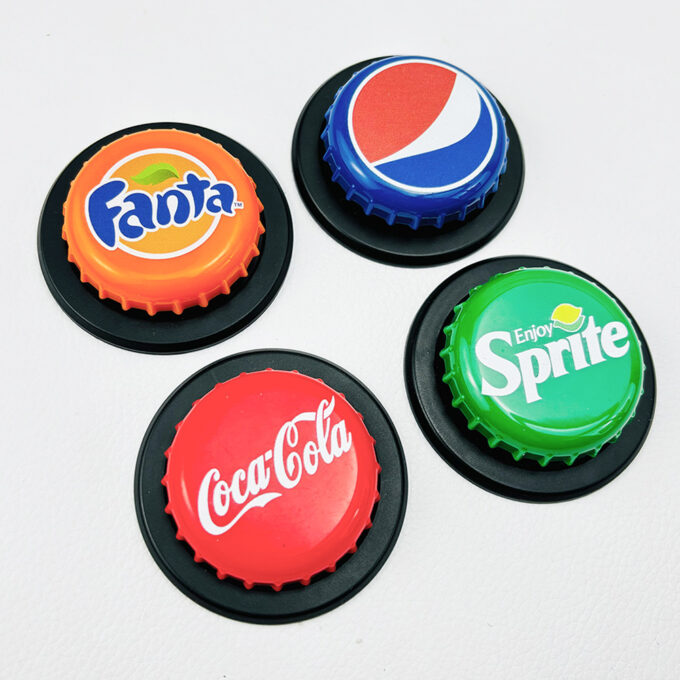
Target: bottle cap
x,y
271,478
162,219
544,364
415,141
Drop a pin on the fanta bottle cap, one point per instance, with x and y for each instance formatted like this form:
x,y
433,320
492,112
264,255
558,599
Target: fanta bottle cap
x,y
543,363
162,220
415,141
271,478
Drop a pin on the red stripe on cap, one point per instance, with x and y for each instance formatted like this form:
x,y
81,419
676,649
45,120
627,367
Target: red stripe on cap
x,y
397,105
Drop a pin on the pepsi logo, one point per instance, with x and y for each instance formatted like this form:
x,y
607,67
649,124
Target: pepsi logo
x,y
422,125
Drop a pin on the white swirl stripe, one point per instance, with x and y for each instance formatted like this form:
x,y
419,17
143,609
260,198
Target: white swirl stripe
x,y
214,529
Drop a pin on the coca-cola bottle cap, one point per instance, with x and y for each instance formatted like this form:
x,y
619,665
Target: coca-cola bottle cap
x,y
271,478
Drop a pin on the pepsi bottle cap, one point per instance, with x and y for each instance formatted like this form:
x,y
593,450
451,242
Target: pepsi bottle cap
x,y
415,141
530,378
271,478
408,160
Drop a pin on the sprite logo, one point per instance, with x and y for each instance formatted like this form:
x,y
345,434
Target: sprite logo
x,y
535,365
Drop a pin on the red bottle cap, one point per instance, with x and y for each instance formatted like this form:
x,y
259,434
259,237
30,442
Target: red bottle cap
x,y
271,478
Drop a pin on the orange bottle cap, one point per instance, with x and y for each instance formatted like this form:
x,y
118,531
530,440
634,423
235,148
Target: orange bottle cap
x,y
162,220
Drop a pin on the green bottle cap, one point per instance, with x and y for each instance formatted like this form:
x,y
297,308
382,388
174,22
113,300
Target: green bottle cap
x,y
544,364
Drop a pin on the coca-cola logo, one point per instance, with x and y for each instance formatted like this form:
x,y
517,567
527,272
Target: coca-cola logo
x,y
223,499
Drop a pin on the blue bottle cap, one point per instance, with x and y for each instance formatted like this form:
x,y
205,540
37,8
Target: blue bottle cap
x,y
415,141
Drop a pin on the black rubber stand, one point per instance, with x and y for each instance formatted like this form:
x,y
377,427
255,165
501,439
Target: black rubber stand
x,y
468,451
370,236
166,332
262,604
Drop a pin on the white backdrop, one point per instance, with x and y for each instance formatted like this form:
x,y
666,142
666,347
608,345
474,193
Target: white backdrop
x,y
477,586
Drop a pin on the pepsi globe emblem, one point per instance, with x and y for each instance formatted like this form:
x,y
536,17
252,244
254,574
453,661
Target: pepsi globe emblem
x,y
446,142
415,141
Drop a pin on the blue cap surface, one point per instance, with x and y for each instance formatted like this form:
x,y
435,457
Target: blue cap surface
x,y
415,141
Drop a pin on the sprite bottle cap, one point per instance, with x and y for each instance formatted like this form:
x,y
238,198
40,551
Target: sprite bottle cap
x,y
544,364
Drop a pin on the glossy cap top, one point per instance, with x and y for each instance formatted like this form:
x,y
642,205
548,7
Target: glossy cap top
x,y
415,141
162,220
272,478
544,363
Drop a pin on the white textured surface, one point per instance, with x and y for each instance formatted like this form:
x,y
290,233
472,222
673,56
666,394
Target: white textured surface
x,y
478,586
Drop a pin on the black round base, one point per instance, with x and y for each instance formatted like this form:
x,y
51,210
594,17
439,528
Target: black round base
x,y
166,332
262,604
468,451
395,244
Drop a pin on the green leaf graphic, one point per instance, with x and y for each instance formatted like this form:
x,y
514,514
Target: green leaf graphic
x,y
155,174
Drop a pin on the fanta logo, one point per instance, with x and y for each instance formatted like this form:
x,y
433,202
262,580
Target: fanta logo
x,y
223,502
158,204
554,359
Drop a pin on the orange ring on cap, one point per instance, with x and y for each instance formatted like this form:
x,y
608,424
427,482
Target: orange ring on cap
x,y
150,222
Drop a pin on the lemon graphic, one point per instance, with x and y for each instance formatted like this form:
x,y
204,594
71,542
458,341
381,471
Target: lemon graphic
x,y
567,317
